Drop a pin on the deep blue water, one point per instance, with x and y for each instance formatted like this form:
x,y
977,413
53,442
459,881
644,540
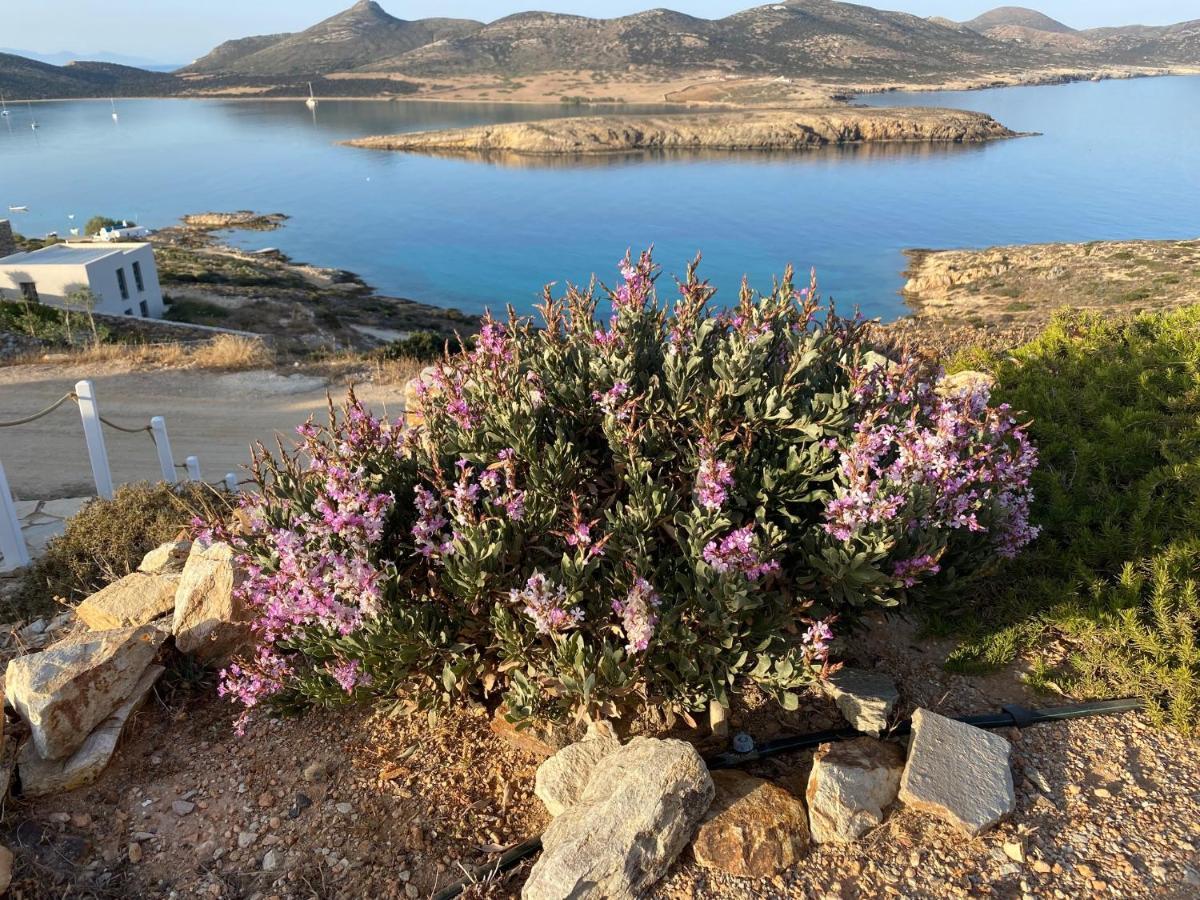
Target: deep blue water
x,y
1117,159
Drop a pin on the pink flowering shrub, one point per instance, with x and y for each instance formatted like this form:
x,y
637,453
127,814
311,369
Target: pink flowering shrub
x,y
648,507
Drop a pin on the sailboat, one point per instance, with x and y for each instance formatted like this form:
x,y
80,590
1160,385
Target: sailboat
x,y
312,101
18,209
3,108
115,117
32,121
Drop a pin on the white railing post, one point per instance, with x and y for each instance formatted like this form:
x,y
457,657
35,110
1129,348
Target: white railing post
x,y
231,482
162,443
193,468
12,542
89,411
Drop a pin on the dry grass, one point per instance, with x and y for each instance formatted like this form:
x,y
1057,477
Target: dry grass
x,y
396,371
225,352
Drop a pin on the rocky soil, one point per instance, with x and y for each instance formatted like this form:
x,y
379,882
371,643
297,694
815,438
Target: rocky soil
x,y
1020,287
343,803
769,130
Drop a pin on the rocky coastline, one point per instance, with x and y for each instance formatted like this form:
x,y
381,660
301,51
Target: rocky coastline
x,y
761,130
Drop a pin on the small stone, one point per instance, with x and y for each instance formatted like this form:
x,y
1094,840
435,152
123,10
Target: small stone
x,y
265,800
135,853
1041,867
1014,851
315,771
299,804
958,773
183,807
246,839
410,891
344,808
60,818
560,780
81,820
271,860
753,829
850,785
866,698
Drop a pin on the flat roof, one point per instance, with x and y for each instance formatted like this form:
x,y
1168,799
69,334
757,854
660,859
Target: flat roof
x,y
68,254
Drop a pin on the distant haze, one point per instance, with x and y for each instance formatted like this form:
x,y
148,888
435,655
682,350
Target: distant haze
x,y
177,31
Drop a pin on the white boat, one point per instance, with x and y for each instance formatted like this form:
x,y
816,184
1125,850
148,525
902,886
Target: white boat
x,y
18,209
32,121
3,108
312,101
115,117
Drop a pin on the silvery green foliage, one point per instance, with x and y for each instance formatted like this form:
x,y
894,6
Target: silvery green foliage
x,y
601,513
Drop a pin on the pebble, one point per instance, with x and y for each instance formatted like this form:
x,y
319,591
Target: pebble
x,y
135,853
246,839
183,807
345,808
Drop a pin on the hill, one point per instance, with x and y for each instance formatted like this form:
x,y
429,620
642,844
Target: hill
x,y
1019,17
362,33
27,78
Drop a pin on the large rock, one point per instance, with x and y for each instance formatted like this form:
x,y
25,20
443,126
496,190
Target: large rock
x,y
561,779
71,687
958,773
167,559
754,828
40,777
134,600
850,785
864,697
210,622
636,814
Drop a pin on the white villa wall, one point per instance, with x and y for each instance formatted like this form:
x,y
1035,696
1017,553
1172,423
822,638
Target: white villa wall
x,y
55,280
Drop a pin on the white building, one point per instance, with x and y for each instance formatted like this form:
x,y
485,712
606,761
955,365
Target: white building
x,y
122,277
122,233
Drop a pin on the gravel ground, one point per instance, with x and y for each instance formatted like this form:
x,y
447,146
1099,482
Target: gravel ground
x,y
346,804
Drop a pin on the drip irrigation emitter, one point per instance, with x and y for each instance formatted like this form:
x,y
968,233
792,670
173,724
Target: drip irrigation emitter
x,y
746,751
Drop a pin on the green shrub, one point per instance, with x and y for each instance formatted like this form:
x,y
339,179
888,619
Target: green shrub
x,y
51,324
1115,411
107,539
421,345
607,512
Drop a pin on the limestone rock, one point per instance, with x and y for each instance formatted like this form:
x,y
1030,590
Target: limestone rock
x,y
134,600
166,559
210,622
864,697
850,785
754,828
561,779
958,773
636,814
966,382
71,687
40,777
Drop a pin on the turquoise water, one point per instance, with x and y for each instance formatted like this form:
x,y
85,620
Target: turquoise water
x,y
1117,159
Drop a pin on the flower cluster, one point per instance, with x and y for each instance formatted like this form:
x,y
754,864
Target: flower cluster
x,y
923,461
713,480
639,615
547,604
736,553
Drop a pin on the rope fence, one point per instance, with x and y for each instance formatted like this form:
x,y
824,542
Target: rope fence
x,y
13,549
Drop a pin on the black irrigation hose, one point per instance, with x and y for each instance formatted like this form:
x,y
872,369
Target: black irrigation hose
x,y
1008,717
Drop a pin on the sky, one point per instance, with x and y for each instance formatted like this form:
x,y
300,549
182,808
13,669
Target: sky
x,y
178,31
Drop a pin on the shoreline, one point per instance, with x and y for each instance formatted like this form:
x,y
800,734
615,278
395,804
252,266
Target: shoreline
x,y
837,93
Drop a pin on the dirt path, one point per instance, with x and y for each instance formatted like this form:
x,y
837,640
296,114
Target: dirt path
x,y
215,416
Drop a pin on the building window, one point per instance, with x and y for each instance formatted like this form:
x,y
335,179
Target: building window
x,y
137,277
129,312
122,283
145,307
29,292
